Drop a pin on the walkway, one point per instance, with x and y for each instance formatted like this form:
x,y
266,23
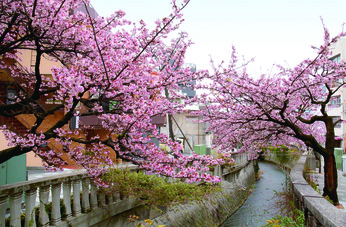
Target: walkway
x,y
319,179
341,185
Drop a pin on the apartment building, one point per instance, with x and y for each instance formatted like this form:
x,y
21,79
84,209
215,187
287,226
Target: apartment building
x,y
337,106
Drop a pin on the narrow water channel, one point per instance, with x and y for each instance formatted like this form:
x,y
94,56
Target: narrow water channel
x,y
261,204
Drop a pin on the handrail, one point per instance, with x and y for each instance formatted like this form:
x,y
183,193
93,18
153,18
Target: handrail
x,y
40,192
318,211
67,186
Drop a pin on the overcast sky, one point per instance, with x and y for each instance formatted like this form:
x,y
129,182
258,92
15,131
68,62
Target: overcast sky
x,y
271,31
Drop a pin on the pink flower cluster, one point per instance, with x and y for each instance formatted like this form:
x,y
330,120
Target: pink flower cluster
x,y
290,108
108,68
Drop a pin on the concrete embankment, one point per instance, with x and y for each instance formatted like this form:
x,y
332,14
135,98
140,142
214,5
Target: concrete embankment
x,y
217,208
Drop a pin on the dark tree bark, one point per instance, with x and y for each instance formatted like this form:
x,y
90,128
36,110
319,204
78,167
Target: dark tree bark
x,y
330,178
170,126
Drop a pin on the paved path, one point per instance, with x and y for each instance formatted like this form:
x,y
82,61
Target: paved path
x,y
341,185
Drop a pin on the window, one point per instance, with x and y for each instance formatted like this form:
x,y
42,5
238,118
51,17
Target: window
x,y
335,119
335,101
336,58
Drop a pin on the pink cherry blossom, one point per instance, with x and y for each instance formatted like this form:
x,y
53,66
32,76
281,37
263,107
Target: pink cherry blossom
x,y
108,68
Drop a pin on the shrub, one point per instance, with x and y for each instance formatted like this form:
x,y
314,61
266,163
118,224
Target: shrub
x,y
153,190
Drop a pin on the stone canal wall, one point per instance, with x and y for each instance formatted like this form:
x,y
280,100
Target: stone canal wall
x,y
318,211
98,209
219,208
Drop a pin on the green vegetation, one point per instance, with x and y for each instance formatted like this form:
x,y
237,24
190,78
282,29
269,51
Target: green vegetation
x,y
308,175
289,215
146,223
283,154
153,190
294,219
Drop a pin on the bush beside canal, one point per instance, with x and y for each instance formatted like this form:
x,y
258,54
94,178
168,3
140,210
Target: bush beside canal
x,y
214,210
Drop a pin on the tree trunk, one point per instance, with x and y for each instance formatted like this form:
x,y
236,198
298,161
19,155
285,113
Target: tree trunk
x,y
170,128
170,123
330,178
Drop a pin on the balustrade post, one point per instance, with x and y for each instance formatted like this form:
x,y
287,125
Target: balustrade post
x,y
110,199
56,214
102,198
85,197
76,209
15,208
30,199
221,172
309,218
216,170
44,196
93,196
3,205
67,198
316,223
116,196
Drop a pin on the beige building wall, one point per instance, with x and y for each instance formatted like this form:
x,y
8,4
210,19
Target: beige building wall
x,y
28,60
339,48
31,160
3,141
194,132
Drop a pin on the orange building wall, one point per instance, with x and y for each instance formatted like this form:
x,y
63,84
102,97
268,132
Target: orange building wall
x,y
28,119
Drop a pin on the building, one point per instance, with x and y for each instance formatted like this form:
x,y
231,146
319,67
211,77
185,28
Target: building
x,y
14,170
186,126
9,87
337,106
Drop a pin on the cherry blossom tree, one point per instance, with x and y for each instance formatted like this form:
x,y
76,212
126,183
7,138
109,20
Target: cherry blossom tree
x,y
288,108
112,69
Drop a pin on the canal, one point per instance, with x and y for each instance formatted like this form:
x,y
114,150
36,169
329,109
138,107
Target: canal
x,y
262,203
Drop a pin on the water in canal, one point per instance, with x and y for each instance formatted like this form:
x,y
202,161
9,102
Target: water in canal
x,y
261,205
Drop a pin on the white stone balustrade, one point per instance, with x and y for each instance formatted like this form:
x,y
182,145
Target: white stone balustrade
x,y
85,204
25,196
240,158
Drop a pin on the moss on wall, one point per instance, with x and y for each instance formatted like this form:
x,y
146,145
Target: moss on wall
x,y
217,209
